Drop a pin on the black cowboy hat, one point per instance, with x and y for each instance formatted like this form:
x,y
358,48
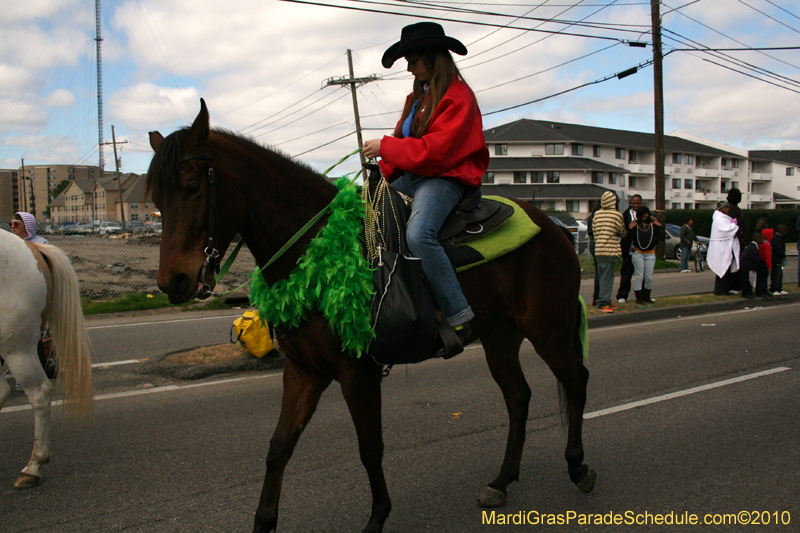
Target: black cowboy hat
x,y
421,37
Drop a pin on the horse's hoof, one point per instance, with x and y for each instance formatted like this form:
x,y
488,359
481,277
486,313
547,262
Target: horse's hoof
x,y
587,483
492,498
26,481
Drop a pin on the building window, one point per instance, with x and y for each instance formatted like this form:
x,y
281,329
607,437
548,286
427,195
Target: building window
x,y
724,164
577,149
688,184
553,176
631,182
554,149
735,163
676,158
537,176
573,206
676,205
790,171
597,177
622,180
500,149
676,183
698,185
596,150
688,206
520,177
620,153
632,156
135,205
612,178
688,159
734,185
488,177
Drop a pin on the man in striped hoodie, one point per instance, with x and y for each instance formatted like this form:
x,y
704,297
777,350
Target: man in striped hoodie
x,y
608,228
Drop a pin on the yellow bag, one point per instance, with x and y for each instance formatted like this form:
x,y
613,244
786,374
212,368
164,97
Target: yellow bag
x,y
252,334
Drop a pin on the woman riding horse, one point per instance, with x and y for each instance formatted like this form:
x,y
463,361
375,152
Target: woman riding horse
x,y
437,152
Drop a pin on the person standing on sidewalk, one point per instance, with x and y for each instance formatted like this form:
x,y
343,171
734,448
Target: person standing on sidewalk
x,y
778,260
723,248
647,231
626,273
687,237
608,227
797,236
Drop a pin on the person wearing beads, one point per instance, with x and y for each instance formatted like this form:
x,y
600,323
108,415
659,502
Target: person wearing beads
x,y
436,154
647,232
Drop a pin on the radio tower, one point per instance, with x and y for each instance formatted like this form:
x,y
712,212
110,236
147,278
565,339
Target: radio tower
x,y
99,41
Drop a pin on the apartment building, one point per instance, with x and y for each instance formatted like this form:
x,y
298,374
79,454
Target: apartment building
x,y
9,194
567,167
88,200
776,173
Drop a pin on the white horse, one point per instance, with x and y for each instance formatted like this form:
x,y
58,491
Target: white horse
x,y
38,287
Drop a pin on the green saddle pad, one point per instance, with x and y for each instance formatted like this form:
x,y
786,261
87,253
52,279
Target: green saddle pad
x,y
516,231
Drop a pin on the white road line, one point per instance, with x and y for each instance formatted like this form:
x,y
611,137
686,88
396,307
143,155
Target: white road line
x,y
587,416
679,394
159,322
153,390
115,363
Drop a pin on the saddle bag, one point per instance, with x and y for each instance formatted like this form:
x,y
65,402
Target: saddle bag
x,y
252,334
402,311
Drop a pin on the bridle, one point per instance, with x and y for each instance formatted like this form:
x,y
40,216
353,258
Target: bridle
x,y
212,254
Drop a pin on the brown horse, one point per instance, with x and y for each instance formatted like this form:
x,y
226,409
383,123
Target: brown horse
x,y
211,185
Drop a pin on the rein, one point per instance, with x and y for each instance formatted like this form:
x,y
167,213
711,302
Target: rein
x,y
213,255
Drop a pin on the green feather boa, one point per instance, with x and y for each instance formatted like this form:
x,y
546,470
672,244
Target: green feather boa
x,y
332,277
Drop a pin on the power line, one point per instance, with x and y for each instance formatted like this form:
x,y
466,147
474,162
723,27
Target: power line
x,y
324,145
618,75
769,16
751,76
474,23
782,9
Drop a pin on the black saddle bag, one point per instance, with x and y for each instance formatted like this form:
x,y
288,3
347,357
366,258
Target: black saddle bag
x,y
403,312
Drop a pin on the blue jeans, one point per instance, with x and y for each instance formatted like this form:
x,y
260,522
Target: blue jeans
x,y
605,274
686,252
643,266
434,199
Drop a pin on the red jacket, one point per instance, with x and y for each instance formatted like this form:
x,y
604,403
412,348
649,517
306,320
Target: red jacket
x,y
453,146
765,249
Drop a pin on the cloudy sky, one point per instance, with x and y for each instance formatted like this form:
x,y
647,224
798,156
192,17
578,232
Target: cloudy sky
x,y
262,67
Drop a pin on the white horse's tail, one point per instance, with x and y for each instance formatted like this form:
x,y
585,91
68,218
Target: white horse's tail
x,y
70,340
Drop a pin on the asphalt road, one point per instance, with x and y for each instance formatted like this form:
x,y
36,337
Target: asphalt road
x,y
191,458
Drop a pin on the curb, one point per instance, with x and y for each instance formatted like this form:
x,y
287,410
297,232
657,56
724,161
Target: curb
x,y
647,315
160,367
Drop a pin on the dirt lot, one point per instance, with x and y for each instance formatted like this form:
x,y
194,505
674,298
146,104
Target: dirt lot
x,y
108,267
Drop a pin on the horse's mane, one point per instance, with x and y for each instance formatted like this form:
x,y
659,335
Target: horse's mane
x,y
161,175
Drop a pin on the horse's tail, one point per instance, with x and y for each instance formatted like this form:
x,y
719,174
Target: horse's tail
x,y
70,340
581,342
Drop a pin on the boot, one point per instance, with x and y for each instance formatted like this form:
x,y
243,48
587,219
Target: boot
x,y
638,297
646,296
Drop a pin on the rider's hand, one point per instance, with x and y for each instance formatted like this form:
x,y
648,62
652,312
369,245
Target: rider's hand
x,y
372,149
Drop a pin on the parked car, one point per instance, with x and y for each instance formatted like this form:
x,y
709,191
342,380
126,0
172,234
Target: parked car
x,y
110,228
672,242
76,229
579,231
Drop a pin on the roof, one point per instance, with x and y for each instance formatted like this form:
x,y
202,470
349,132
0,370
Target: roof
x,y
551,163
526,130
782,198
790,157
134,192
545,191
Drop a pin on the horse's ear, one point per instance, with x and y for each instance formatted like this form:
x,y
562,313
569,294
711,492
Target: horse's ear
x,y
155,140
198,133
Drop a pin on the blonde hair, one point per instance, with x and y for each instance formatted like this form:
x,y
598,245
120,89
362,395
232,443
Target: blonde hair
x,y
443,72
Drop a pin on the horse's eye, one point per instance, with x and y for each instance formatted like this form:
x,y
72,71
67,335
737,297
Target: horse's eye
x,y
193,188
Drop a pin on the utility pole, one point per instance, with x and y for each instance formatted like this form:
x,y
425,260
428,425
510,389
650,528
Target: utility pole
x,y
119,181
99,43
658,100
352,81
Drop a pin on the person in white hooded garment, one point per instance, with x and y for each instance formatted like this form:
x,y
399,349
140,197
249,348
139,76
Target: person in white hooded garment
x,y
23,225
723,248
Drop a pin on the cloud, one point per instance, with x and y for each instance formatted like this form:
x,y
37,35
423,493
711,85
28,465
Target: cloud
x,y
60,98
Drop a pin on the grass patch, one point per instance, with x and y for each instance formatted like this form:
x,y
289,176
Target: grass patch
x,y
144,302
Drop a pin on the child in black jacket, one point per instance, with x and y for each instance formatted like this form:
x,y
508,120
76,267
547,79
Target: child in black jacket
x,y
748,264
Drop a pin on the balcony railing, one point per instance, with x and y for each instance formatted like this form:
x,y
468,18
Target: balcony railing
x,y
760,176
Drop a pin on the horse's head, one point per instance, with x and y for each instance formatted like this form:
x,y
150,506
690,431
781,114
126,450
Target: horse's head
x,y
180,183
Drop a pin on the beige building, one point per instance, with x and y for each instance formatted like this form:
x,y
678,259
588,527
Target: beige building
x,y
90,200
43,178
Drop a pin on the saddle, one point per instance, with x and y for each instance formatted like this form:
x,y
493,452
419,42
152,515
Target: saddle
x,y
472,218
